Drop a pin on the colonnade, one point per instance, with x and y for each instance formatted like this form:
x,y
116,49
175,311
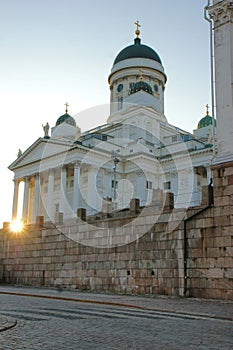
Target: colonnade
x,y
37,202
49,191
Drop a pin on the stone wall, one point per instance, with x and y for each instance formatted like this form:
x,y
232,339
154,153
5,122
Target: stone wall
x,y
150,264
138,251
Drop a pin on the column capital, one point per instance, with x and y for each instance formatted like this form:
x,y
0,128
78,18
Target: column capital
x,y
51,171
76,164
221,12
26,178
174,174
62,167
35,175
137,172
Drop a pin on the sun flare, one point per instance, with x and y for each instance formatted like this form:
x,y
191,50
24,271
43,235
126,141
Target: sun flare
x,y
16,226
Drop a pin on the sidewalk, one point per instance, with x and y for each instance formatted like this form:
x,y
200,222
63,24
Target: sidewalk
x,y
219,309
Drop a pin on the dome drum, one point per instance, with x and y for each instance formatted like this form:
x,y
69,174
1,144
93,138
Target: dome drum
x,y
129,67
131,75
140,85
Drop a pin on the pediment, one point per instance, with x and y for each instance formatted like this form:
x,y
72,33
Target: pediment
x,y
40,149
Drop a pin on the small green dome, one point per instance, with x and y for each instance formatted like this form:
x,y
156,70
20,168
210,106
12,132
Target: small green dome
x,y
140,85
66,118
206,121
137,50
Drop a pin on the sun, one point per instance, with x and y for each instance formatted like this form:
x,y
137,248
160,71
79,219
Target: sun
x,y
16,226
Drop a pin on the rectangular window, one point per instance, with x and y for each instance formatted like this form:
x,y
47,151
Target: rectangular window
x,y
69,183
174,138
113,183
149,185
167,185
120,103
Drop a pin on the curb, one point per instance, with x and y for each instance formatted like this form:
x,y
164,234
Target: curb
x,y
6,323
117,304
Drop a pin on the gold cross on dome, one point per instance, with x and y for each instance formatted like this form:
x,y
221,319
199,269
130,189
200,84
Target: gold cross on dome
x,y
207,109
66,104
137,31
137,24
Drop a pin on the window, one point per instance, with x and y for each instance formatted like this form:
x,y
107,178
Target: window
x,y
149,185
113,183
120,103
69,183
167,185
174,138
56,207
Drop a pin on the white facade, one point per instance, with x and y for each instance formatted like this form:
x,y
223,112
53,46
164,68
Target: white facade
x,y
72,170
221,13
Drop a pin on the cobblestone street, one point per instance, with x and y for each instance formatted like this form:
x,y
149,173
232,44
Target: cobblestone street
x,y
51,319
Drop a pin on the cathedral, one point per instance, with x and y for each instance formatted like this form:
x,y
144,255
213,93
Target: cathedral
x,y
133,155
124,207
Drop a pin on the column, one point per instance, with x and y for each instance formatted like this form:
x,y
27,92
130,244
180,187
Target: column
x,y
62,202
141,187
25,199
185,188
195,199
36,197
15,199
76,189
92,191
30,200
50,207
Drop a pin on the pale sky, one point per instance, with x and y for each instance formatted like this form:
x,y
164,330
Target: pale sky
x,y
53,51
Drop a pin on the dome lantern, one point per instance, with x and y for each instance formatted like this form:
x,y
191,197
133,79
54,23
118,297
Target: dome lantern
x,y
207,120
66,118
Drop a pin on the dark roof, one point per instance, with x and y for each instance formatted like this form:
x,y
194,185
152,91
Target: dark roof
x,y
66,118
206,121
137,50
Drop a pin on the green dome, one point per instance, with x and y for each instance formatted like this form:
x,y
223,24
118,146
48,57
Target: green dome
x,y
66,118
206,121
141,85
137,50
